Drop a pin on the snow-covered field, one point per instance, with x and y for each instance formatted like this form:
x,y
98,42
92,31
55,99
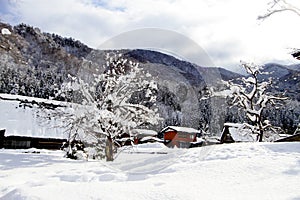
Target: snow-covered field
x,y
233,171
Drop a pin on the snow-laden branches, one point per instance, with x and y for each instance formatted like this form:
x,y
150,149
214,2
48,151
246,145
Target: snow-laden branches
x,y
277,6
251,95
107,108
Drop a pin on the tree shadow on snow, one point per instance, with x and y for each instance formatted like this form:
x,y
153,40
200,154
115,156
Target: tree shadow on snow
x,y
284,147
12,160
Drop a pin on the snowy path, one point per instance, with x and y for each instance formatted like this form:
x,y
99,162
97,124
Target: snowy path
x,y
233,171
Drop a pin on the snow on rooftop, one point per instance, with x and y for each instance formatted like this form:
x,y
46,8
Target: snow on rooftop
x,y
236,125
181,129
151,138
20,121
241,135
145,132
29,99
5,31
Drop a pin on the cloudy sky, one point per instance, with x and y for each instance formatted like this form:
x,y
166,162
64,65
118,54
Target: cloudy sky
x,y
228,30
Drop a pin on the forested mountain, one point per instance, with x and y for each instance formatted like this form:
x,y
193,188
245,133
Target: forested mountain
x,y
33,63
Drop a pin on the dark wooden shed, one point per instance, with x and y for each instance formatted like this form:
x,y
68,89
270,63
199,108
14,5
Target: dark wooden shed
x,y
2,131
22,142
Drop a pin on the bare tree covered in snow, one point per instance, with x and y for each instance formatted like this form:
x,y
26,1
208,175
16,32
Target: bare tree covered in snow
x,y
251,95
278,6
108,109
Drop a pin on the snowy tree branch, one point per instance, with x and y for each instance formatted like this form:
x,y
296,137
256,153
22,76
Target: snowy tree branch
x,y
252,97
279,6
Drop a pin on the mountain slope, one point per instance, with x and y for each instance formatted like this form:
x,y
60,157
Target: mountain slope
x,y
285,79
36,64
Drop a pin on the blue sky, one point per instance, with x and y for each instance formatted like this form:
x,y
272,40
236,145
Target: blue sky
x,y
227,30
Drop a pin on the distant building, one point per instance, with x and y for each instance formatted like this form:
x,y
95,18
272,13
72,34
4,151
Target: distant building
x,y
144,135
182,137
137,136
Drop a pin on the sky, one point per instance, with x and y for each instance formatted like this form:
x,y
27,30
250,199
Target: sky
x,y
227,31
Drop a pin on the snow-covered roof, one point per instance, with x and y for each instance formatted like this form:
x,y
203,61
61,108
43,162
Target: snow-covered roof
x,y
236,125
30,99
213,139
145,132
5,31
151,138
19,121
181,129
241,135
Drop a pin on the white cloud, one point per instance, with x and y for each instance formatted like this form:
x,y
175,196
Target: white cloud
x,y
227,30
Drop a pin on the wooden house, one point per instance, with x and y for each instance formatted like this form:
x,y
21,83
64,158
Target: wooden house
x,y
144,135
182,137
137,136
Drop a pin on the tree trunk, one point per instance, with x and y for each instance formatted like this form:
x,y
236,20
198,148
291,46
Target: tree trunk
x,y
260,136
261,132
109,149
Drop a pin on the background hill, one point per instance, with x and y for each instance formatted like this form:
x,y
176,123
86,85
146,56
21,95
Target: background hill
x,y
36,64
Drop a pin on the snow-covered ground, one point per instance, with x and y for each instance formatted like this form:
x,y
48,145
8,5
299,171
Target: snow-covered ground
x,y
230,171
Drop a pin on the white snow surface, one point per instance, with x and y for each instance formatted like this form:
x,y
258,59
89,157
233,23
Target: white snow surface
x,y
5,31
152,171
